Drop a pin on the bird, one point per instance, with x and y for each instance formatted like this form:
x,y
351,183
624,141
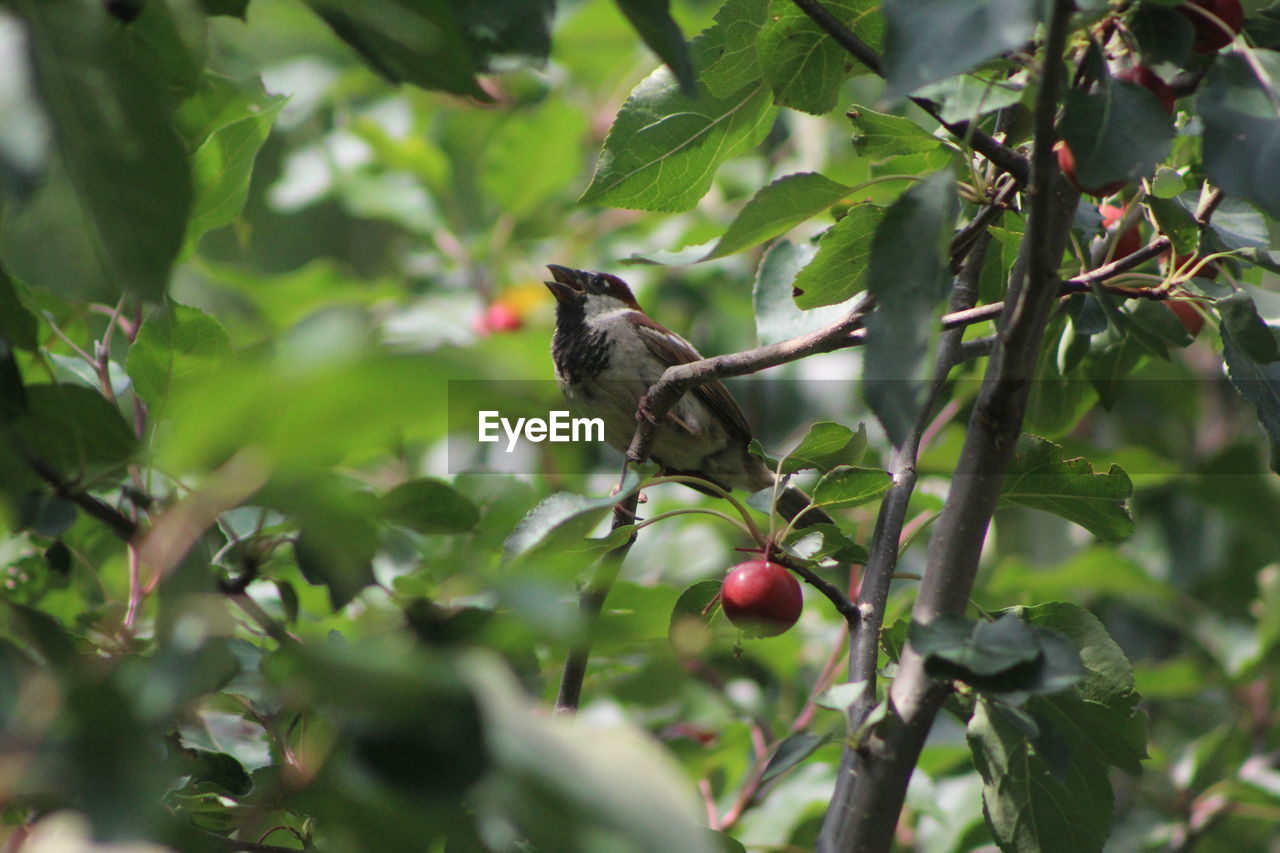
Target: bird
x,y
608,352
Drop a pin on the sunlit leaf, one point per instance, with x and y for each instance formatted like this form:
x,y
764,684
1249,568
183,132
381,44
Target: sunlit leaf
x,y
784,203
907,274
925,42
1039,477
802,63
665,147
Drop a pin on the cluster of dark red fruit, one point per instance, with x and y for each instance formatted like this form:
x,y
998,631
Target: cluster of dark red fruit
x,y
1208,17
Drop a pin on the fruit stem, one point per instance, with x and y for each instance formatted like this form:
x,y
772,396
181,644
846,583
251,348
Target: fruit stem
x,y
752,529
694,511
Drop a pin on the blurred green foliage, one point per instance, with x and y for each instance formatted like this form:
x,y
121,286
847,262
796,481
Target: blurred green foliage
x,y
250,596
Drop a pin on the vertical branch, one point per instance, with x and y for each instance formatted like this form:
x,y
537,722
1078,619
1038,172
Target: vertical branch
x,y
864,635
590,602
871,792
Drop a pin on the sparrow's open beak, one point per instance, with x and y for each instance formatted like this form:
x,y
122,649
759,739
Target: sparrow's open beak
x,y
567,284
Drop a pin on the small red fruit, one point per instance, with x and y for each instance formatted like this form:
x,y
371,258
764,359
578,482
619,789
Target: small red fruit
x,y
1067,163
498,317
1131,240
1144,76
1210,37
1192,320
761,598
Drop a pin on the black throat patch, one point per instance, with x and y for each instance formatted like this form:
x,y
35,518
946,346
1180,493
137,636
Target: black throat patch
x,y
580,352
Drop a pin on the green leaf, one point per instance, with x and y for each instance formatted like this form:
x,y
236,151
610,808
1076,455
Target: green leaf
x,y
524,163
232,8
106,97
846,486
976,647
928,41
1249,333
1029,807
738,23
215,768
1158,322
1164,35
337,519
1119,133
46,635
777,316
968,96
564,791
1038,477
1236,223
429,506
786,202
907,275
18,325
880,136
839,270
1167,183
413,41
793,750
690,631
563,520
74,429
825,540
1259,384
338,553
1177,223
665,147
177,345
652,20
226,125
1115,737
1108,673
507,34
1241,132
1102,711
825,446
802,63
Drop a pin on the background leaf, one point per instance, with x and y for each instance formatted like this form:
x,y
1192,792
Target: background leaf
x,y
926,42
907,275
112,120
1040,478
802,64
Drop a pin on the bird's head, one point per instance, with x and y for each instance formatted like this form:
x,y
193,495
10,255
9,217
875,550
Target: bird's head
x,y
599,290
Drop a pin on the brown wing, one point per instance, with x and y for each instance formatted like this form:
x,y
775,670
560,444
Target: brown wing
x,y
671,349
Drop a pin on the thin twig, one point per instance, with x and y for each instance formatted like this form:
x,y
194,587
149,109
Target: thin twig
x,y
247,846
833,593
964,239
872,784
590,602
667,390
981,141
121,525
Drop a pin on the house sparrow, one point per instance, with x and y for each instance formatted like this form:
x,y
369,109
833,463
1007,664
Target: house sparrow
x,y
608,352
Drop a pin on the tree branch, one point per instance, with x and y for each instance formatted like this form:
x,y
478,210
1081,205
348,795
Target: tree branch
x,y
847,333
590,602
121,525
864,638
240,844
843,605
981,141
872,797
677,379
